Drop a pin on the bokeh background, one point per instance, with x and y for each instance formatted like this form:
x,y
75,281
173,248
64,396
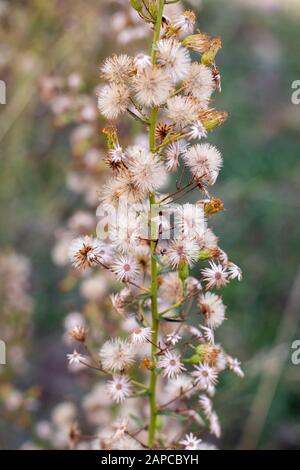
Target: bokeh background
x,y
259,184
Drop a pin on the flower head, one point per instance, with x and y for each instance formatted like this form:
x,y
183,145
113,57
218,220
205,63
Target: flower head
x,y
235,366
172,153
234,271
125,268
113,100
119,301
171,288
181,385
190,442
182,250
152,86
117,69
75,357
185,22
173,338
190,220
171,365
206,405
215,276
116,355
182,110
214,425
126,443
197,131
213,309
205,376
199,82
141,335
147,172
115,158
204,161
78,333
142,61
174,58
86,252
119,388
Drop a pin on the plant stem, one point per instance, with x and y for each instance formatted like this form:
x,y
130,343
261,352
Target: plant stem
x,y
154,270
155,325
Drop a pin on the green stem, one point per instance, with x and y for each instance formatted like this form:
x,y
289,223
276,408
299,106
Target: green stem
x,y
154,269
178,304
155,326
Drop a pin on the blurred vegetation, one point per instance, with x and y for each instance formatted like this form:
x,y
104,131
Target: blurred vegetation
x,y
259,184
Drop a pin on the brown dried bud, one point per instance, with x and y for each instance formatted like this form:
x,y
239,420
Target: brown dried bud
x,y
212,118
78,333
162,130
146,363
110,132
208,253
209,56
213,206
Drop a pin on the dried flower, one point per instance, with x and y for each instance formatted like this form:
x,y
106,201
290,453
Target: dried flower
x,y
141,335
174,58
79,333
215,276
119,388
125,268
85,252
75,357
116,355
185,22
171,365
182,251
204,376
182,110
204,161
113,100
234,272
213,309
199,82
152,86
117,69
190,442
173,338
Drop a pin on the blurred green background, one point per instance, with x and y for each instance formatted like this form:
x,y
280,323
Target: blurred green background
x,y
259,184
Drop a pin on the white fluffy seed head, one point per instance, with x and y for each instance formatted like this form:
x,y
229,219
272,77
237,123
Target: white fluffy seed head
x,y
174,58
113,100
199,82
152,86
204,161
86,252
147,172
118,68
116,355
182,110
213,309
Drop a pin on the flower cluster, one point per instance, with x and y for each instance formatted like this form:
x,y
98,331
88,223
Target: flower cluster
x,y
154,238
